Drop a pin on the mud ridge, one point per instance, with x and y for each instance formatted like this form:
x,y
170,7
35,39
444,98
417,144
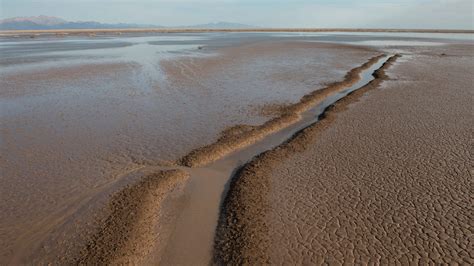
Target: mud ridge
x,y
133,230
228,143
242,234
130,233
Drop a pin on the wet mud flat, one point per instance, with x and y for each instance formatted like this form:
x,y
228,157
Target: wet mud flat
x,y
121,127
384,177
84,121
199,208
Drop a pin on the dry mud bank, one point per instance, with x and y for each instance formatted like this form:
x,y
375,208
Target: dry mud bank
x,y
382,178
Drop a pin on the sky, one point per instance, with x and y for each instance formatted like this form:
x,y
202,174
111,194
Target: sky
x,y
427,14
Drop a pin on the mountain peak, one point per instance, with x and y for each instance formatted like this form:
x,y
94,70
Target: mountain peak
x,y
41,20
54,23
221,25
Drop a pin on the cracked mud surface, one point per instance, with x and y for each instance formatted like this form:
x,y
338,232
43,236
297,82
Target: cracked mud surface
x,y
384,179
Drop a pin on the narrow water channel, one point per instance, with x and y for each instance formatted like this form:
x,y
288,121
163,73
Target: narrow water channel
x,y
193,236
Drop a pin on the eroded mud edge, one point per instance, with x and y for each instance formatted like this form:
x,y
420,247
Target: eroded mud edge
x,y
245,136
242,235
133,229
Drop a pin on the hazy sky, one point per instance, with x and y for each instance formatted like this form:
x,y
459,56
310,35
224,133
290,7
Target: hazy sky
x,y
456,14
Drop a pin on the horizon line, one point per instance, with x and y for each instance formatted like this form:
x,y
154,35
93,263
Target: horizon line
x,y
261,29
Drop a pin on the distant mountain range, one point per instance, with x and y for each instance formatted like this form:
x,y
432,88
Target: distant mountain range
x,y
219,25
54,23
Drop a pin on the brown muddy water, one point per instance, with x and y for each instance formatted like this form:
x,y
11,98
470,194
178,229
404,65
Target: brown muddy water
x,y
80,115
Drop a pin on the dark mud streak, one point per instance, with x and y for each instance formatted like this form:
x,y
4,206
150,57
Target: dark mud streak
x,y
242,217
228,143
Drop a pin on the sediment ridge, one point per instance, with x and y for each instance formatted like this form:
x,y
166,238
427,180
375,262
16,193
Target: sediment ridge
x,y
132,232
242,235
232,141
